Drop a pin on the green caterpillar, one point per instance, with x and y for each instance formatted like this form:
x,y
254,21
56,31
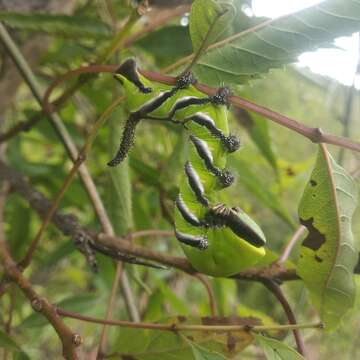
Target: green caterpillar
x,y
217,240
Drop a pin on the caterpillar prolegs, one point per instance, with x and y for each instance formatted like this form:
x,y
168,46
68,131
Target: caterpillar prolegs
x,y
217,240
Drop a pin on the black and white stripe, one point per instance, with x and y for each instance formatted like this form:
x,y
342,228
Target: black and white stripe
x,y
199,242
186,213
196,184
231,142
224,176
185,102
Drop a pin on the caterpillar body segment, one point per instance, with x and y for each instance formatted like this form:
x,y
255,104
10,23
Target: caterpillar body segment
x,y
217,240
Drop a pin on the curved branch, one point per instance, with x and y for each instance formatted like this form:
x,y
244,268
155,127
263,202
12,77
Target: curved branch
x,y
316,135
113,246
70,341
277,292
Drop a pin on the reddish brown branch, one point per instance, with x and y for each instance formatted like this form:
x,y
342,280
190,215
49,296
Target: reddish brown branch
x,y
276,290
315,135
113,246
70,341
212,302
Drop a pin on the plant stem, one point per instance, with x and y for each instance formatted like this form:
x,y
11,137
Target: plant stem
x,y
61,131
276,290
290,245
316,135
183,327
119,38
24,263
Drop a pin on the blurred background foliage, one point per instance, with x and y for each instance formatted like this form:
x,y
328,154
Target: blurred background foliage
x,y
272,169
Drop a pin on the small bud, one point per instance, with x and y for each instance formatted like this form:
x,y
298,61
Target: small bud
x,y
77,339
37,304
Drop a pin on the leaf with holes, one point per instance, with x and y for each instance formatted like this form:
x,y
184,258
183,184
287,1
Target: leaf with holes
x,y
208,21
328,256
276,350
273,43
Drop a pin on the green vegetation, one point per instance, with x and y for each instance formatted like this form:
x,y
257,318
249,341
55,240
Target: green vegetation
x,y
83,244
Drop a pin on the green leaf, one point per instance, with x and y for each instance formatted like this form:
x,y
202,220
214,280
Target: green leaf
x,y
328,256
7,342
258,130
119,203
147,344
69,26
274,43
203,354
148,174
163,44
19,235
260,190
276,350
208,21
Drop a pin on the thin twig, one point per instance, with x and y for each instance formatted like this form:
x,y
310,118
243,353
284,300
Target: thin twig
x,y
110,307
276,290
21,126
24,263
70,341
62,133
218,44
161,18
119,38
204,46
212,302
126,42
290,245
68,225
183,327
150,232
57,124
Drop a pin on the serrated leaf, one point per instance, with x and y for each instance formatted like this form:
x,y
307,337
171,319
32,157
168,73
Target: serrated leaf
x,y
64,25
209,19
277,42
276,350
328,256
